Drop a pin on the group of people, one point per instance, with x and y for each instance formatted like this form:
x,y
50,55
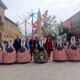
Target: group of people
x,y
34,43
23,50
67,50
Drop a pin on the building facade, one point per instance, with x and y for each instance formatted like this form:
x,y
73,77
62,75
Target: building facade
x,y
73,26
8,29
73,23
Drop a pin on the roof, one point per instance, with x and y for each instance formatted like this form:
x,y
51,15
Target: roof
x,y
73,21
3,5
10,21
78,13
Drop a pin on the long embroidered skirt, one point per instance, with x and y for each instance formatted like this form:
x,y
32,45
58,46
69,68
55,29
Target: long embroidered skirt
x,y
73,55
59,55
9,58
23,57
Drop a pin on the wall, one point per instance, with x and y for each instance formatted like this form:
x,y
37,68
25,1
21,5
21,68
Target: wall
x,y
2,13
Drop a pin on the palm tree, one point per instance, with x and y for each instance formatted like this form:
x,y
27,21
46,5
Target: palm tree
x,y
32,16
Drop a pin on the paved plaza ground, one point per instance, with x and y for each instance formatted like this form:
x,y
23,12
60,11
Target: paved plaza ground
x,y
48,71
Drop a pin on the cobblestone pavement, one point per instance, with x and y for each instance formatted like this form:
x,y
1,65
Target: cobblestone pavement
x,y
48,71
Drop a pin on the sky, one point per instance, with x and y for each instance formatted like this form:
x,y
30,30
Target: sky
x,y
62,9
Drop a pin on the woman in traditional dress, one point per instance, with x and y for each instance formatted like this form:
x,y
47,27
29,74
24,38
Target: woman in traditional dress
x,y
9,55
59,51
73,53
23,54
49,46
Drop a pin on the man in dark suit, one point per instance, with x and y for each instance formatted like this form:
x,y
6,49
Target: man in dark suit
x,y
17,44
32,45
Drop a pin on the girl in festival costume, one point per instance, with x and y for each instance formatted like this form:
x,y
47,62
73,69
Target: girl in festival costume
x,y
9,55
59,51
23,54
73,53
